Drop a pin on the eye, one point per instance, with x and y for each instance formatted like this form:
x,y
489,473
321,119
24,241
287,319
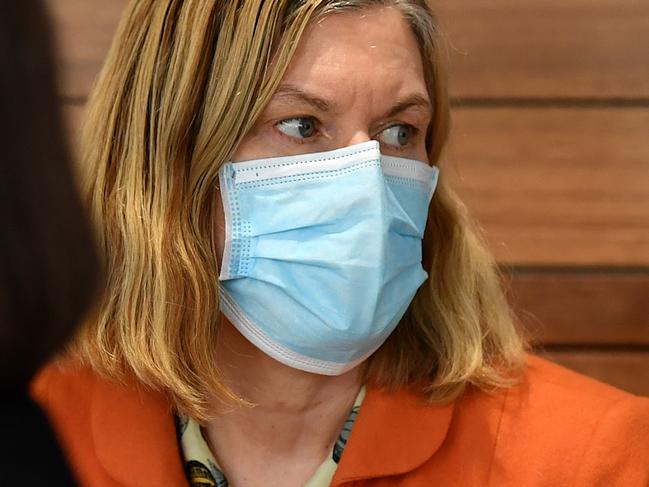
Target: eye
x,y
298,128
397,136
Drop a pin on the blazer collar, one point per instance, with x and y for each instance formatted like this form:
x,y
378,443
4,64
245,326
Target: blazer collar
x,y
134,434
135,437
395,433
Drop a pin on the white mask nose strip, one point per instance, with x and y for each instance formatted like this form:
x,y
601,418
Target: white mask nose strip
x,y
278,167
410,169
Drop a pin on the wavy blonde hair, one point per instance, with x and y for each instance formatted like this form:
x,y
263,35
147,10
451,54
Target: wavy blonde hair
x,y
184,82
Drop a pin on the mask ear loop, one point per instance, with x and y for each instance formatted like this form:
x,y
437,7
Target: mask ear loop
x,y
216,228
219,261
226,172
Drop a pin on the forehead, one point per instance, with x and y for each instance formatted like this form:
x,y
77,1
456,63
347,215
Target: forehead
x,y
371,51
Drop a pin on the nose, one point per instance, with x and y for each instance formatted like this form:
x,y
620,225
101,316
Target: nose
x,y
356,137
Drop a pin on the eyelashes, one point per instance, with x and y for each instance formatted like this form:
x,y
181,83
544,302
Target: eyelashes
x,y
298,128
303,129
398,136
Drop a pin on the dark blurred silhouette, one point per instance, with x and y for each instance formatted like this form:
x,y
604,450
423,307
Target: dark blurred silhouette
x,y
48,265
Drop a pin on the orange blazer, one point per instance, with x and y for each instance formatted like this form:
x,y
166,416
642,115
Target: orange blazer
x,y
556,429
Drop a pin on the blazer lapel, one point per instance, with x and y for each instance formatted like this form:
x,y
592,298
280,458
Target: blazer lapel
x,y
393,434
135,437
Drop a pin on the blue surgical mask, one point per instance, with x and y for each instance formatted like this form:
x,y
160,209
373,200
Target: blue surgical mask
x,y
323,252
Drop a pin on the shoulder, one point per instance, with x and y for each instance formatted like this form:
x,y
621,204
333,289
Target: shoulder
x,y
556,427
557,398
62,381
566,427
64,392
111,431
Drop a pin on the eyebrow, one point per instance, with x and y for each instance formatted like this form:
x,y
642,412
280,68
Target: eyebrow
x,y
413,101
290,91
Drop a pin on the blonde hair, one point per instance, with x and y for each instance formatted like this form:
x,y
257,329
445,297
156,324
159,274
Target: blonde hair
x,y
184,82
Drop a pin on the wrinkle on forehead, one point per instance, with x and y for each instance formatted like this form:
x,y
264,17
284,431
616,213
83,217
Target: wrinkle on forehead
x,y
371,54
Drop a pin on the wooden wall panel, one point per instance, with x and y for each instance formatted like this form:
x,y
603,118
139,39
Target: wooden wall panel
x,y
497,48
547,48
626,370
582,307
556,186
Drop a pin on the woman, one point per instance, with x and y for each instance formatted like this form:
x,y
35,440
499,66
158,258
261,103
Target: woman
x,y
283,269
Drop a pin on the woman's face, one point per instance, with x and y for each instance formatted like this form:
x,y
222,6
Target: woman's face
x,y
355,76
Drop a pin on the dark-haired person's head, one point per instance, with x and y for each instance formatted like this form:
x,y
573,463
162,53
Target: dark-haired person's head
x,y
48,265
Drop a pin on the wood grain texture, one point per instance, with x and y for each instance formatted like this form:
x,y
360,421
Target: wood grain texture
x,y
587,307
555,186
547,48
497,48
625,370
